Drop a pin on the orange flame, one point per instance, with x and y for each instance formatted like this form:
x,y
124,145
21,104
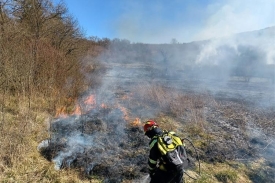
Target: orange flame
x,y
89,102
124,111
136,122
77,110
61,112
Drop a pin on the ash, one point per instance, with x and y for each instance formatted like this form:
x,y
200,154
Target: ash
x,y
97,143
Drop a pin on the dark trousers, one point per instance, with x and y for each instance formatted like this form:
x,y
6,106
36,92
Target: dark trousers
x,y
167,176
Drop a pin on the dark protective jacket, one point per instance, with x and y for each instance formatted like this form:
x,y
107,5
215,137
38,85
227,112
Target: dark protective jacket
x,y
155,154
158,172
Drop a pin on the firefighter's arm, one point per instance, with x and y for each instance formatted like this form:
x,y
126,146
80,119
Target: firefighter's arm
x,y
153,156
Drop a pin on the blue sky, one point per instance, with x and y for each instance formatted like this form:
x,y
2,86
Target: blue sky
x,y
160,21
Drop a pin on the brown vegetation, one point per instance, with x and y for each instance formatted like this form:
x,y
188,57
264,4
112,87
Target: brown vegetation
x,y
42,54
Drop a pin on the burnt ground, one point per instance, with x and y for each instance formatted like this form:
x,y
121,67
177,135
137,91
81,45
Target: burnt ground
x,y
238,125
98,144
241,133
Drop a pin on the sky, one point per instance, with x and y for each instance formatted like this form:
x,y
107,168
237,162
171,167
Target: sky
x,y
160,21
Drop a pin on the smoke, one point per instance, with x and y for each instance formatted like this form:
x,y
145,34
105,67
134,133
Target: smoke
x,y
186,21
100,140
264,144
237,16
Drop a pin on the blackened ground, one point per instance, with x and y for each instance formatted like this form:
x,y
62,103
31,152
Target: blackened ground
x,y
239,126
242,133
113,155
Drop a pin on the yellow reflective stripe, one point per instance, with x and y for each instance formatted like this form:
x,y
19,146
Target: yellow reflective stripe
x,y
153,143
161,148
152,161
178,140
151,166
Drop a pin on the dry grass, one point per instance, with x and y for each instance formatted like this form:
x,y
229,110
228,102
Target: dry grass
x,y
220,172
23,128
195,115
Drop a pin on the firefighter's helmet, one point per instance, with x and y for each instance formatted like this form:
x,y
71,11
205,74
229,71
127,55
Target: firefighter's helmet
x,y
149,124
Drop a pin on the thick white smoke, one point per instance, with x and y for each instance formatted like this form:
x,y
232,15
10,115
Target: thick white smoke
x,y
186,21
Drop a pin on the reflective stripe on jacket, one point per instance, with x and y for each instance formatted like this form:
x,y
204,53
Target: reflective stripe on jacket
x,y
154,155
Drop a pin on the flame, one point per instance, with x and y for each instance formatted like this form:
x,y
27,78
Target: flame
x,y
77,110
61,112
124,111
136,122
89,103
90,100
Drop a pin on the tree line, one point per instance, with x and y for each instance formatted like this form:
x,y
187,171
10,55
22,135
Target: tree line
x,y
42,49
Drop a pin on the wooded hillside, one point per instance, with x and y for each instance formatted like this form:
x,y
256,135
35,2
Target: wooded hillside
x,y
42,49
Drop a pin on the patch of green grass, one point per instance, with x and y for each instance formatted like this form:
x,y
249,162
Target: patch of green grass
x,y
204,179
227,176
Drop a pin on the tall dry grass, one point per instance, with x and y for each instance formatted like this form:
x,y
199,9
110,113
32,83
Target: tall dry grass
x,y
24,126
188,114
189,108
22,129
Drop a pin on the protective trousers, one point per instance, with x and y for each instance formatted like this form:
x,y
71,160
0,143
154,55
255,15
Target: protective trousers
x,y
167,176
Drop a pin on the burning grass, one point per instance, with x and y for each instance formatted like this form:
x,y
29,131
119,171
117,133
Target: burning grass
x,y
21,132
105,141
101,142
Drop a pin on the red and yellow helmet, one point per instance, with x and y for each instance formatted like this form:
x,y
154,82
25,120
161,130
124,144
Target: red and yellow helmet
x,y
148,124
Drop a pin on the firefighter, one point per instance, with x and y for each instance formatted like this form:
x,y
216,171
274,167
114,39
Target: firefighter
x,y
159,173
